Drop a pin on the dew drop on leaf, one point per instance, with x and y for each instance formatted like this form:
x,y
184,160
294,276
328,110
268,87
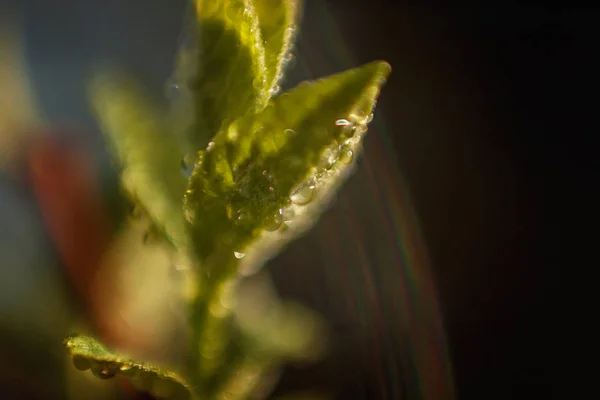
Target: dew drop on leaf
x,y
330,157
125,367
342,122
288,215
81,363
210,146
346,156
239,255
274,90
102,372
275,221
289,132
303,195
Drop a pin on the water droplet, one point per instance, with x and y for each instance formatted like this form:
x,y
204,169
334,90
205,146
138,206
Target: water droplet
x,y
275,221
274,90
289,131
369,118
239,255
81,363
332,158
303,195
241,217
102,372
210,146
288,215
342,122
271,189
346,156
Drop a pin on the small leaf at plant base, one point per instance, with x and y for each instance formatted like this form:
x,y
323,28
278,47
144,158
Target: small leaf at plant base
x,y
88,353
278,24
260,164
150,157
231,80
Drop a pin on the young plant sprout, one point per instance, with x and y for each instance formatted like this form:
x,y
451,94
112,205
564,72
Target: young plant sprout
x,y
228,184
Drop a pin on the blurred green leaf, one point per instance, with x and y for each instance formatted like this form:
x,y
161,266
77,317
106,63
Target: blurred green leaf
x,y
231,78
150,157
88,353
278,24
260,165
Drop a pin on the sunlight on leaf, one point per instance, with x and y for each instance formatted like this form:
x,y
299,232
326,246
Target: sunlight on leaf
x,y
260,166
278,24
232,79
87,353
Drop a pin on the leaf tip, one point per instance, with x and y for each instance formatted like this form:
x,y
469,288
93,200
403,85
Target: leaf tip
x,y
383,68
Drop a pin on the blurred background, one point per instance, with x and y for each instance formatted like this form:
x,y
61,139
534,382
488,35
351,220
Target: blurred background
x,y
437,263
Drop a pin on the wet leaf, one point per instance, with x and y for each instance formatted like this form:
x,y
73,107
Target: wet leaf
x,y
149,156
259,166
88,353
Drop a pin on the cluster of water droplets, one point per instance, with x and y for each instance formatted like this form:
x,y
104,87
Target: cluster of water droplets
x,y
335,160
255,188
309,197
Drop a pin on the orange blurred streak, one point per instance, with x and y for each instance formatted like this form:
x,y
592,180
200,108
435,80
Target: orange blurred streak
x,y
63,180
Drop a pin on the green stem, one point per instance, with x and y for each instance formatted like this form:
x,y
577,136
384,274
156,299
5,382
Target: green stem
x,y
210,321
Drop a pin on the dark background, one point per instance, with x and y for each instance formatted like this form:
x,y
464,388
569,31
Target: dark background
x,y
488,112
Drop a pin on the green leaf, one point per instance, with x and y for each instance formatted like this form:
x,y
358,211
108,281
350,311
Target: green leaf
x,y
88,353
231,78
261,166
149,156
278,24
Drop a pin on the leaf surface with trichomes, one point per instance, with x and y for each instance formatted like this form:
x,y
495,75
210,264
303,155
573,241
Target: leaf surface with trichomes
x,y
278,24
88,353
231,78
259,165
